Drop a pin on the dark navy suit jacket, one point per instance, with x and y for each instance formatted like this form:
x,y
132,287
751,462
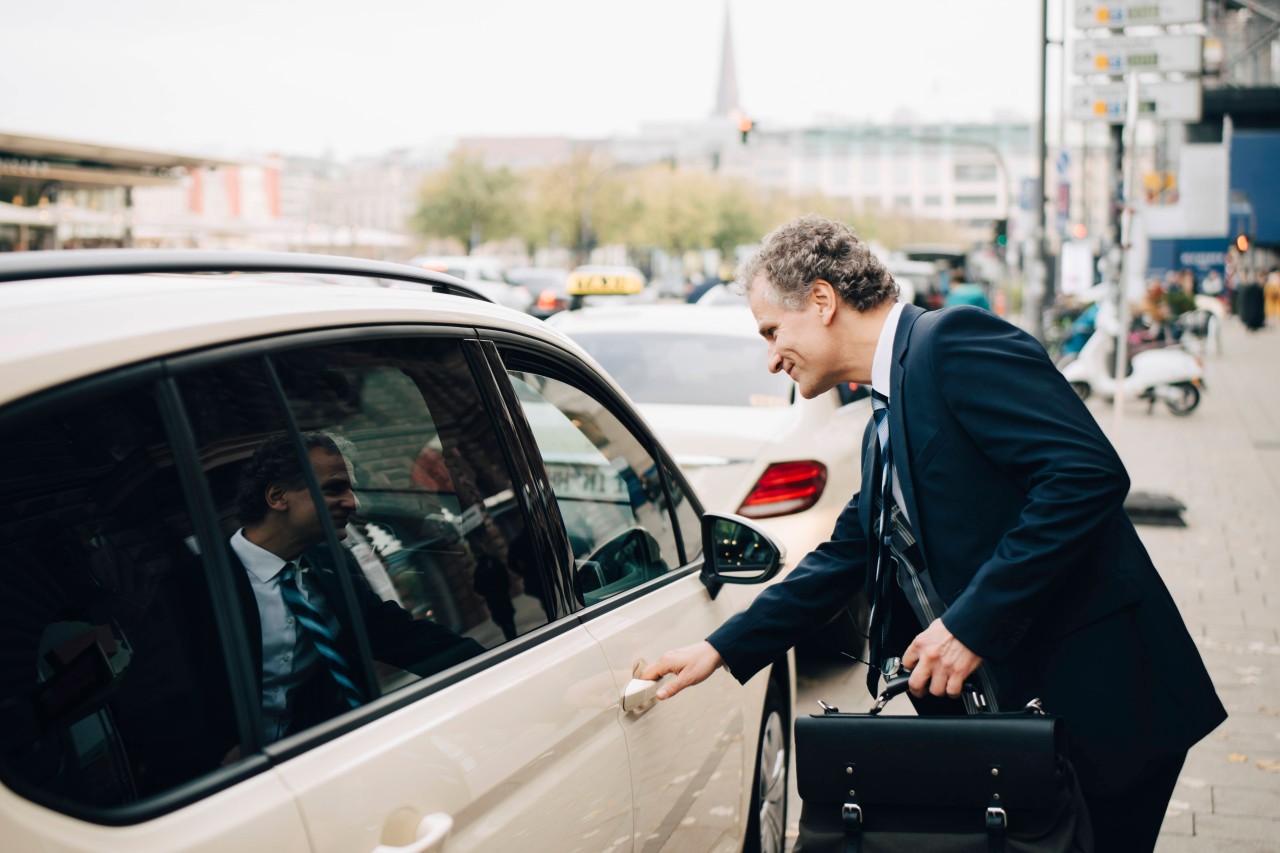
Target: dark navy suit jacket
x,y
395,637
1016,497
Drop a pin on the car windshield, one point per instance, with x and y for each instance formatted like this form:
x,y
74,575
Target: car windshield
x,y
656,368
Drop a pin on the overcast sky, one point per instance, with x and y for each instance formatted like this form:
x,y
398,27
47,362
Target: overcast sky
x,y
363,76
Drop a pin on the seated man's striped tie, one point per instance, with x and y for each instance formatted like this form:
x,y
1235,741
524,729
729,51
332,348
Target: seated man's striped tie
x,y
317,631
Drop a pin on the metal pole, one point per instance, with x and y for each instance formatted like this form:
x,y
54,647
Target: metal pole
x,y
1038,293
1125,204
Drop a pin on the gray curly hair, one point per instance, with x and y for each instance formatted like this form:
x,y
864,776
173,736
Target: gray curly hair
x,y
797,253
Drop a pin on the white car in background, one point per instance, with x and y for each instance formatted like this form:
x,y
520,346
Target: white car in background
x,y
480,273
748,443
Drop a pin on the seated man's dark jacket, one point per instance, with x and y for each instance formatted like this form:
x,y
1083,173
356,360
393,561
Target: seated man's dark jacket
x,y
395,637
1016,497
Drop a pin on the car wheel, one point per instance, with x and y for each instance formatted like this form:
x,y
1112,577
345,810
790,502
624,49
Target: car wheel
x,y
767,823
1187,402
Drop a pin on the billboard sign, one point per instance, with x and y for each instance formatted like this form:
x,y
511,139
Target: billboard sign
x,y
1117,14
1119,55
1172,100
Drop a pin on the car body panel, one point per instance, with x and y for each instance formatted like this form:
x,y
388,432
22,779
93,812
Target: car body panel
x,y
690,754
513,759
43,343
259,813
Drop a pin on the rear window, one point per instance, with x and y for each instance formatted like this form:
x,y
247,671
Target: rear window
x,y
655,368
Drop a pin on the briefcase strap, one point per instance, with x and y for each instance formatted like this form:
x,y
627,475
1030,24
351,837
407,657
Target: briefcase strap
x,y
925,602
851,816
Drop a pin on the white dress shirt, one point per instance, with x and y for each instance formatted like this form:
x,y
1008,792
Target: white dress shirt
x,y
881,368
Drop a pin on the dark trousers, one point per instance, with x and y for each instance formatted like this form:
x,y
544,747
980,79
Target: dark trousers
x,y
1130,822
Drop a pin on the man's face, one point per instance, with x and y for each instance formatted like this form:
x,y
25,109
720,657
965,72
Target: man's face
x,y
801,344
334,476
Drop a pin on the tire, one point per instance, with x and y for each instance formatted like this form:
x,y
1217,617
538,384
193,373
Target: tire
x,y
1185,404
767,819
1081,389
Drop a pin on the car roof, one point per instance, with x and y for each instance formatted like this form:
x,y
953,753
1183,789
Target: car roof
x,y
735,320
55,330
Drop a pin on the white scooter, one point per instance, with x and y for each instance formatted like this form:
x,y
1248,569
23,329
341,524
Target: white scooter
x,y
1169,374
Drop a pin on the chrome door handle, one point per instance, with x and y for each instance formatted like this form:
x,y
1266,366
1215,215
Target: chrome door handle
x,y
429,837
639,695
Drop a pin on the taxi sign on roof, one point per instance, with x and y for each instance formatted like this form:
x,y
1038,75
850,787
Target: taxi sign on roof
x,y
604,282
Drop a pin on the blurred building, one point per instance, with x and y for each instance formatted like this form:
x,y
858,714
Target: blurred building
x,y
66,193
1210,197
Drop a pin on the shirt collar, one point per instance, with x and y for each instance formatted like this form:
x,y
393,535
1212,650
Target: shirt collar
x,y
258,561
882,364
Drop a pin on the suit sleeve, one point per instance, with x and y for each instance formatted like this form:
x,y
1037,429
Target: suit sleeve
x,y
1013,404
418,645
828,578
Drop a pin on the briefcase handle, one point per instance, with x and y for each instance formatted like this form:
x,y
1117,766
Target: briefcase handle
x,y
898,679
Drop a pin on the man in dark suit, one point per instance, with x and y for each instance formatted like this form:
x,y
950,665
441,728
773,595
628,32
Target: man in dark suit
x,y
308,655
1016,499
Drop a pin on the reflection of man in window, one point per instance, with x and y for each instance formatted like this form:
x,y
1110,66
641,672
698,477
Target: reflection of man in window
x,y
309,663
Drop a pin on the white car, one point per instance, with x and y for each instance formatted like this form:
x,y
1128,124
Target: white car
x,y
480,273
501,501
748,442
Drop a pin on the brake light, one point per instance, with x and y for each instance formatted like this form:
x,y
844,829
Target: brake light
x,y
547,300
784,488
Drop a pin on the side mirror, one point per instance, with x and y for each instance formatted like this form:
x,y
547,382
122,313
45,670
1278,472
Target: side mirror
x,y
737,550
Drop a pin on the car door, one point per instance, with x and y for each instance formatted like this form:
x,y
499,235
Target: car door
x,y
635,540
514,741
118,691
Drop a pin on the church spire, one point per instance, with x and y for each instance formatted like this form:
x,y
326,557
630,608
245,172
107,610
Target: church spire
x,y
727,95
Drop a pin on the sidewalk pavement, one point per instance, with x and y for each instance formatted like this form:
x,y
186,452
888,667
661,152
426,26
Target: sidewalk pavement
x,y
1223,569
1223,462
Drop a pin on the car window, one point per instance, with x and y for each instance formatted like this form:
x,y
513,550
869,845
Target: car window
x,y
654,368
607,486
434,565
112,682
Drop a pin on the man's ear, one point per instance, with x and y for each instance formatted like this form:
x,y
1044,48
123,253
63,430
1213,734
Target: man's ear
x,y
277,497
825,298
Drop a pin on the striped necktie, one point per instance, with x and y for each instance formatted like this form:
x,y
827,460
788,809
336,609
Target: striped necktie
x,y
317,630
878,631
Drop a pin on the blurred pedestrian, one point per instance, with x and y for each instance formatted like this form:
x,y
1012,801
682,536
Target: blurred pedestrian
x,y
1271,292
1250,302
1048,590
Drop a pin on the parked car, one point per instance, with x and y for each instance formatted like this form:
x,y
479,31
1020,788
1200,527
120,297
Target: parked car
x,y
498,489
549,286
748,442
483,274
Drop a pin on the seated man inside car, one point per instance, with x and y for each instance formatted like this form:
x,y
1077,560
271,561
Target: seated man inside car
x,y
307,655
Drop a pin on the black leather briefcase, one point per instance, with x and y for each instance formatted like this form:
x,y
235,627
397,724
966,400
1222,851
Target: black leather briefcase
x,y
983,782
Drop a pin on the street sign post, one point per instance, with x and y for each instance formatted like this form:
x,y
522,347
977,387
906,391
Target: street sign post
x,y
1117,14
1170,100
1118,55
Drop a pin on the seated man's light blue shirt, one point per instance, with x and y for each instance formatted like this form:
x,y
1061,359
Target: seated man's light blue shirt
x,y
288,657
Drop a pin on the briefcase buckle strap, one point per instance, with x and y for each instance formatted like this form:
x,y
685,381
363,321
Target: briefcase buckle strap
x,y
851,814
997,823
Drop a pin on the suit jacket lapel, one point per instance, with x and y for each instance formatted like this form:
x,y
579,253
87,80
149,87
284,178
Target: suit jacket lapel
x,y
897,411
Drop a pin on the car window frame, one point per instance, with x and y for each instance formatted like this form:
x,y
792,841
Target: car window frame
x,y
566,366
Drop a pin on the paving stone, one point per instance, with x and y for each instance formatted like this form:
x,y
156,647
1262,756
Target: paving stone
x,y
1238,827
1251,802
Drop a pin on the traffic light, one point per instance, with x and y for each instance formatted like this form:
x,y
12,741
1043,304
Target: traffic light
x,y
1000,234
745,125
